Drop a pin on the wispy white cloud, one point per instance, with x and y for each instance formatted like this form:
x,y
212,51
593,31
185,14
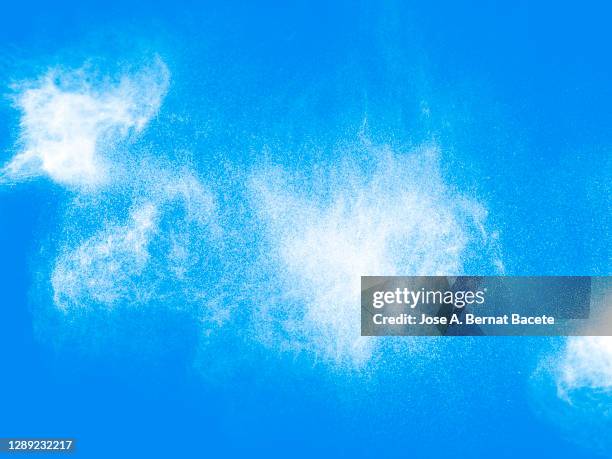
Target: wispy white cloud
x,y
586,363
392,215
156,239
143,238
100,268
156,254
70,122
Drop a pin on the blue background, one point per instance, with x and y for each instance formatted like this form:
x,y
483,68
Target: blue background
x,y
519,98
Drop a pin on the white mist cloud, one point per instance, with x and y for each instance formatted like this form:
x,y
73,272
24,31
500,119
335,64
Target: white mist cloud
x,y
152,237
156,254
100,269
391,216
70,122
586,363
149,235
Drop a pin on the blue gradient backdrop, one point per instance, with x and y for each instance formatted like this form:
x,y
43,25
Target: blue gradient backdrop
x,y
516,95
